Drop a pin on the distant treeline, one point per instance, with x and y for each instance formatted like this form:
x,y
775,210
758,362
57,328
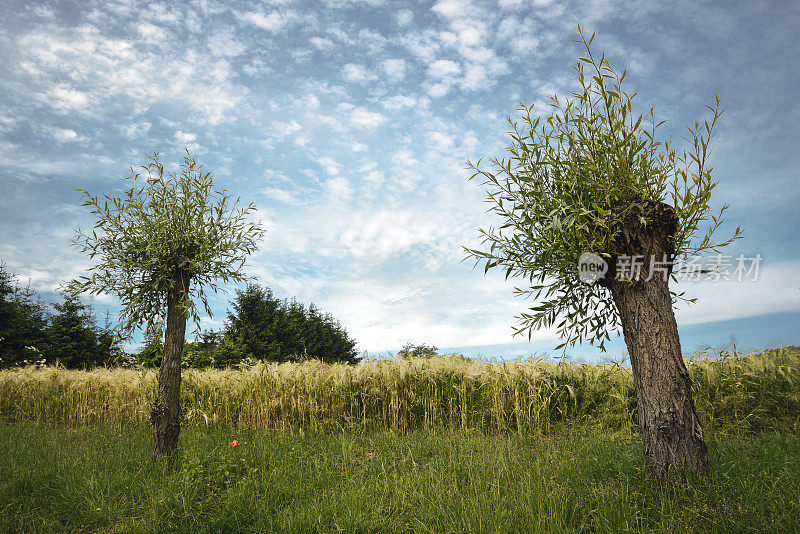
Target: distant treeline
x,y
259,326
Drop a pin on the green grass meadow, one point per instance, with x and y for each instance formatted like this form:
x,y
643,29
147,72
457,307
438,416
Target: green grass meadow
x,y
85,480
442,445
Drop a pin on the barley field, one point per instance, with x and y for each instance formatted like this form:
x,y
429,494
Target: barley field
x,y
734,393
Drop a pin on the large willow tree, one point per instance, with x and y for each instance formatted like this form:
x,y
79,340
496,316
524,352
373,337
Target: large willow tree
x,y
591,177
158,247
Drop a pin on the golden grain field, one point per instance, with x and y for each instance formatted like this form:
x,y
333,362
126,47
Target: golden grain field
x,y
733,393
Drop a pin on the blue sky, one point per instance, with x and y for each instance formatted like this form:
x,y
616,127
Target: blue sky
x,y
348,123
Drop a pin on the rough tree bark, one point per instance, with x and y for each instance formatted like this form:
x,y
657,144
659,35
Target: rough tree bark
x,y
166,413
671,431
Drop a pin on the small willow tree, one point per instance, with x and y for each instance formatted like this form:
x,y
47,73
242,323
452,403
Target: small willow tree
x,y
159,246
591,178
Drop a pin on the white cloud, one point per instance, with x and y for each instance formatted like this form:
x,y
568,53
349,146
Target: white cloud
x,y
443,68
273,22
732,299
256,68
399,102
281,195
29,166
367,166
405,169
106,73
340,35
525,36
355,73
509,27
210,7
224,43
65,100
469,32
45,12
511,4
7,122
348,3
385,233
152,34
441,141
452,8
404,17
64,135
321,43
338,187
475,77
310,101
184,138
374,177
329,165
371,41
366,119
40,279
165,14
135,129
439,90
301,56
332,123
482,77
485,56
423,44
276,176
395,68
282,130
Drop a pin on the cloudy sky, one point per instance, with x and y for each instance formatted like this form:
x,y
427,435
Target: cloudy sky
x,y
348,123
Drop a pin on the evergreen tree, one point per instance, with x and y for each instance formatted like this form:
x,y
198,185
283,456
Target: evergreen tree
x,y
22,322
255,321
228,353
268,328
73,335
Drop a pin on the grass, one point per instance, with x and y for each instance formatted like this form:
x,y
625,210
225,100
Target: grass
x,y
56,479
734,394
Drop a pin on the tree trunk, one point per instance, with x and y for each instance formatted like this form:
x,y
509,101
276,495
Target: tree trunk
x,y
166,412
671,431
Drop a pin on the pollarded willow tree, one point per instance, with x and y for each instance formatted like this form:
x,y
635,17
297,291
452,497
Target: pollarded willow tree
x,y
591,177
170,237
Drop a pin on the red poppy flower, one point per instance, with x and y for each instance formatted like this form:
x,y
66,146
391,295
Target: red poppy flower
x,y
233,443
